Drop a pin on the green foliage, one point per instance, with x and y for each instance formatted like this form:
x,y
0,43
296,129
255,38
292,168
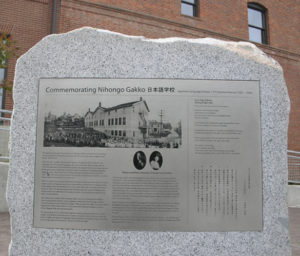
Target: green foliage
x,y
8,50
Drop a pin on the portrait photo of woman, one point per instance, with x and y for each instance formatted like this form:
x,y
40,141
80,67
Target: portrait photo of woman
x,y
156,160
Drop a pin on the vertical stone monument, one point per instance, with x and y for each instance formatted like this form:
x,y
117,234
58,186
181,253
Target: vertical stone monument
x,y
242,101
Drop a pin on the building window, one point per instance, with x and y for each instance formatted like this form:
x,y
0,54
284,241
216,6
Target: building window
x,y
257,23
124,133
124,120
189,7
112,121
120,133
116,121
112,133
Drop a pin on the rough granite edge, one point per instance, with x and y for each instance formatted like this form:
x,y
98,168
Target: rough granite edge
x,y
246,49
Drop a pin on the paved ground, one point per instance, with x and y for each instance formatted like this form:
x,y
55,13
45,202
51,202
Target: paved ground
x,y
294,214
4,233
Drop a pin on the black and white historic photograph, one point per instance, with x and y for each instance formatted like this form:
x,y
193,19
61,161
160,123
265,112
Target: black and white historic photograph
x,y
155,160
114,122
139,160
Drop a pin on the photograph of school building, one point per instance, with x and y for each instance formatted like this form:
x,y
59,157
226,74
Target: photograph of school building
x,y
122,125
125,120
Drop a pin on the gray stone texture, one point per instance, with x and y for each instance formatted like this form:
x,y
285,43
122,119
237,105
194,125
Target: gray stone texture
x,y
96,53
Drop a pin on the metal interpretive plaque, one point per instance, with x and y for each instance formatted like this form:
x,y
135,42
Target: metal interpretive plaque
x,y
148,154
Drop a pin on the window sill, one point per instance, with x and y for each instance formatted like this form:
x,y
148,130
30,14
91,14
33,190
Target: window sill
x,y
191,17
259,44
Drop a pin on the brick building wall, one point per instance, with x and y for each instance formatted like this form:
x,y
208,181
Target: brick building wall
x,y
26,22
30,20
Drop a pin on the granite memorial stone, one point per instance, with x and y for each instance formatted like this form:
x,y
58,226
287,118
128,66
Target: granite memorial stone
x,y
93,53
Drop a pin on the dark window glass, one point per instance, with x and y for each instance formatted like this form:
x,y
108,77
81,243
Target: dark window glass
x,y
189,7
257,23
120,133
116,121
120,120
255,35
124,120
112,121
124,133
255,18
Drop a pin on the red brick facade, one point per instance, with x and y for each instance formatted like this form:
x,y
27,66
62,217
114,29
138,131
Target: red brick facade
x,y
27,21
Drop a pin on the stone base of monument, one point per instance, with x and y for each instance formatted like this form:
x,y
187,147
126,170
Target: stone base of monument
x,y
93,53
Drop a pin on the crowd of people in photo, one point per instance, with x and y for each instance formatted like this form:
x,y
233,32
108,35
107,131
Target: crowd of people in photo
x,y
79,139
86,137
157,143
